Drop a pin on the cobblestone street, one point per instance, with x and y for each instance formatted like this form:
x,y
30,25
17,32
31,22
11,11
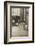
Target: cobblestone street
x,y
19,31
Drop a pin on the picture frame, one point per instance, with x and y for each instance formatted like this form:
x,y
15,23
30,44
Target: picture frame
x,y
18,22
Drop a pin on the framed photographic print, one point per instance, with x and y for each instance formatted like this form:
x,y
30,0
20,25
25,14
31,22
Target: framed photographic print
x,y
18,22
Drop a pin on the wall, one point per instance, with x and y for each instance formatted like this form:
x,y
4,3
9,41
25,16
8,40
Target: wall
x,y
34,21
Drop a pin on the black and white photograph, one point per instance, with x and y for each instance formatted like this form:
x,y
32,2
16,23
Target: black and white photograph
x,y
18,22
